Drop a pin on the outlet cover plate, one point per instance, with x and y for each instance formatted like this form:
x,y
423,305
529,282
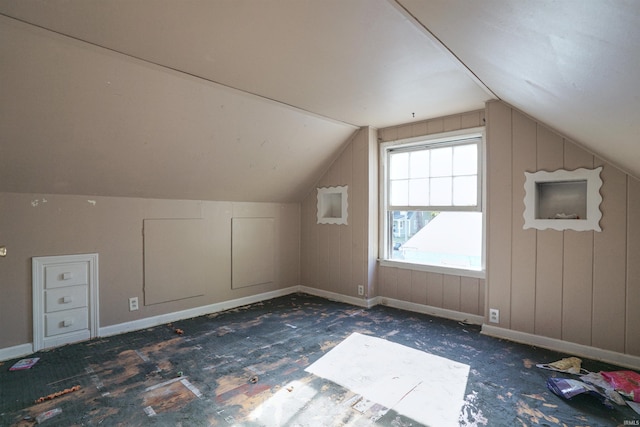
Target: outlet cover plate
x,y
494,315
133,304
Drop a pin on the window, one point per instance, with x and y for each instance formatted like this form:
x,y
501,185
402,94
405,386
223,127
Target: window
x,y
432,201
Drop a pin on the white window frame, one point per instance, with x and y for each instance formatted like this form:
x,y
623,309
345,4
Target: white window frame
x,y
440,139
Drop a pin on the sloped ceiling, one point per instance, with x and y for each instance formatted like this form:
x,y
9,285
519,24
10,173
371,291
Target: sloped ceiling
x,y
251,100
571,64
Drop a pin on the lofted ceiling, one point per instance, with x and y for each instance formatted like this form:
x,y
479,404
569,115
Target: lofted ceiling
x,y
251,100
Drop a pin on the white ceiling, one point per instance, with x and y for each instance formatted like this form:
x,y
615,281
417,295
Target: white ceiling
x,y
251,100
572,64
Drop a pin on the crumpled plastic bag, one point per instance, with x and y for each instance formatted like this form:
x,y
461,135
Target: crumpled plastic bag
x,y
626,383
568,388
596,379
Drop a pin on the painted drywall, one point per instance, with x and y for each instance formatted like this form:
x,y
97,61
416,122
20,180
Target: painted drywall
x,y
581,287
46,224
446,291
336,257
93,121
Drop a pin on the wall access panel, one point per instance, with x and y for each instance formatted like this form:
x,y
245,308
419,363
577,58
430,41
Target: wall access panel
x,y
252,251
174,259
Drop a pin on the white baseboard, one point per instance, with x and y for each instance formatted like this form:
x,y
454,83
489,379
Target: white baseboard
x,y
15,351
608,356
162,319
433,311
360,302
570,348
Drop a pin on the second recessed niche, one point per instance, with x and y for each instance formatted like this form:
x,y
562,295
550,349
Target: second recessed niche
x,y
332,205
563,200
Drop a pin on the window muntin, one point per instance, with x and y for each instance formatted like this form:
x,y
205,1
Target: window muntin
x,y
432,202
434,176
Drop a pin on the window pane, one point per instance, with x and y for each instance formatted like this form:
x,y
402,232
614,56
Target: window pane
x,y
465,159
399,193
465,189
419,164
441,161
440,194
419,192
447,239
399,166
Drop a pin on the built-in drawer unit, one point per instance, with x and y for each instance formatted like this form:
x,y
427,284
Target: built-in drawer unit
x,y
71,274
63,322
65,299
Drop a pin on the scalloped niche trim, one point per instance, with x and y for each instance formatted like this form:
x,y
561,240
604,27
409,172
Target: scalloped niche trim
x,y
563,200
332,205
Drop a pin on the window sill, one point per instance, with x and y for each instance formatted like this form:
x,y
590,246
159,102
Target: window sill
x,y
478,274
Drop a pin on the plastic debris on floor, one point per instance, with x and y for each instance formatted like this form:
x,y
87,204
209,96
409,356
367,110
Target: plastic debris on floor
x,y
614,387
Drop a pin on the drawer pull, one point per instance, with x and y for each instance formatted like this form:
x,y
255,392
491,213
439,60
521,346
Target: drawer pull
x,y
67,322
67,276
67,300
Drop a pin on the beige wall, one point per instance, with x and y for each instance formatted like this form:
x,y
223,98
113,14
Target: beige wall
x,y
339,258
580,287
43,225
451,292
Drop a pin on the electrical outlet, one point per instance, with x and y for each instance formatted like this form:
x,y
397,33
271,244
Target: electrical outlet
x,y
360,290
494,315
133,304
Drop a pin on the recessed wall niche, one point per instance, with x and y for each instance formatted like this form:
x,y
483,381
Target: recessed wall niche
x,y
332,205
563,200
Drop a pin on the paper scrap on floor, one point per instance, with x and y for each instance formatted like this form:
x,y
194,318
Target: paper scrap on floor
x,y
426,388
24,364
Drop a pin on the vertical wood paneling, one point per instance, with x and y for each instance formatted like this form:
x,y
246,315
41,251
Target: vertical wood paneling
x,y
419,287
307,245
452,123
346,257
373,206
451,293
587,286
388,134
576,157
469,288
346,231
419,128
405,131
632,338
434,289
482,286
382,282
577,281
498,209
549,284
435,126
334,282
470,120
523,286
358,212
609,267
323,256
549,251
391,282
404,284
339,256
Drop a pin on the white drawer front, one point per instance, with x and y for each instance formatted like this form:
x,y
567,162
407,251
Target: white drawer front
x,y
62,322
65,298
70,274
